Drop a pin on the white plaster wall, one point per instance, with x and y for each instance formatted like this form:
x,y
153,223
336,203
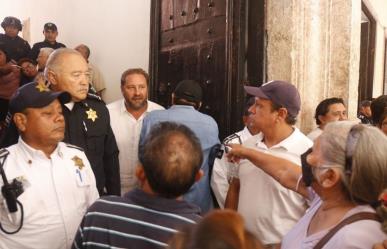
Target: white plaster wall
x,y
117,31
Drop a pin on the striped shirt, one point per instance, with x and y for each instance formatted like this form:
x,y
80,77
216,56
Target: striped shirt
x,y
137,220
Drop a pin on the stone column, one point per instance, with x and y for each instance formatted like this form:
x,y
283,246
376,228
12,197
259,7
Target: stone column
x,y
315,44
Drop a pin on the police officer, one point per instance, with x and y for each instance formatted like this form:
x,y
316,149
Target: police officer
x,y
87,118
15,46
50,32
57,179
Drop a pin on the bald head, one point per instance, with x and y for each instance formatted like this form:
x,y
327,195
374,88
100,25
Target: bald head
x,y
171,158
67,70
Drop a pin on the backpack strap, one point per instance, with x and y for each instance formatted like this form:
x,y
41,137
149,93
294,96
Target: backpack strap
x,y
351,219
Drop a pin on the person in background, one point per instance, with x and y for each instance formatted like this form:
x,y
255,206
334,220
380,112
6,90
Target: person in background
x,y
9,82
343,177
96,80
220,229
28,70
148,216
223,171
328,110
186,101
50,32
43,57
57,179
365,114
15,46
87,118
126,116
379,109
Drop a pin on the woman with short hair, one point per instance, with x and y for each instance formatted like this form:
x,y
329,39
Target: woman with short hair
x,y
344,175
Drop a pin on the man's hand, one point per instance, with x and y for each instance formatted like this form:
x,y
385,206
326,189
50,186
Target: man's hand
x,y
235,152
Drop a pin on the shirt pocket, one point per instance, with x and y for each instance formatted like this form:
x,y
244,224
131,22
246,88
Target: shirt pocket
x,y
95,141
82,189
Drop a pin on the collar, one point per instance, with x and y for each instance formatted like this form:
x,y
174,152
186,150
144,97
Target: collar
x,y
30,153
182,107
70,105
287,144
161,203
124,110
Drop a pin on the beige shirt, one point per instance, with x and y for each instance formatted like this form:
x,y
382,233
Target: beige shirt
x,y
96,79
127,130
57,192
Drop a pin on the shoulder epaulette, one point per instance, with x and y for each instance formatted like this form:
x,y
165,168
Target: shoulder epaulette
x,y
74,147
230,138
3,152
93,96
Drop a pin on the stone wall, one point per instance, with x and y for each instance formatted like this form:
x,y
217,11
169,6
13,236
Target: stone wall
x,y
315,45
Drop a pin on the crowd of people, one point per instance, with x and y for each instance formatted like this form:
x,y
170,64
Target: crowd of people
x,y
77,173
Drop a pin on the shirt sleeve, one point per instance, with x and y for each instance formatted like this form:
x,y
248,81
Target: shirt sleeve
x,y
111,164
219,180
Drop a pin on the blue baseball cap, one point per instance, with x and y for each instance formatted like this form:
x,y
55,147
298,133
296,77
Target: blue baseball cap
x,y
35,95
279,92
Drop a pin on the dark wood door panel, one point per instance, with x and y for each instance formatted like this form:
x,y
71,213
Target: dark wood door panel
x,y
204,40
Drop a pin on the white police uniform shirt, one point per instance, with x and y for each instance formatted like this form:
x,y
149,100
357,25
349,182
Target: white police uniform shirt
x,y
57,192
221,170
127,129
269,209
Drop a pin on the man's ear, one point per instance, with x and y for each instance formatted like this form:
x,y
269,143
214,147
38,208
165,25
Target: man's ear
x,y
51,77
283,113
199,175
199,105
140,173
20,120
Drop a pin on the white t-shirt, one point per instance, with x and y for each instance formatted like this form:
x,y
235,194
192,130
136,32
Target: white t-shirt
x,y
127,131
221,170
269,209
314,134
360,234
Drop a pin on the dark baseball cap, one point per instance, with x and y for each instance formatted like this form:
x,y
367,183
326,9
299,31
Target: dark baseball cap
x,y
279,92
50,26
189,90
35,95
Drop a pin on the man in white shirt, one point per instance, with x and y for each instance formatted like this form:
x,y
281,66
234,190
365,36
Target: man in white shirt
x,y
126,116
269,209
57,179
223,171
328,110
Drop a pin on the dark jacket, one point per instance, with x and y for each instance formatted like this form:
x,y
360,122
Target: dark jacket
x,y
44,44
16,48
88,126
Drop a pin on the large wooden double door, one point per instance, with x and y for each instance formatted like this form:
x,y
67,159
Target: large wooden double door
x,y
205,40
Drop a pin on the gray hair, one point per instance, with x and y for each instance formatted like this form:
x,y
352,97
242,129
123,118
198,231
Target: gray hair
x,y
46,51
367,177
54,61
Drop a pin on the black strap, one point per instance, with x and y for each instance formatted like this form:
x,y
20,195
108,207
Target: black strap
x,y
351,219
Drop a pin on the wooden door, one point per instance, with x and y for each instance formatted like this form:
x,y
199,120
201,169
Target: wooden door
x,y
202,40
